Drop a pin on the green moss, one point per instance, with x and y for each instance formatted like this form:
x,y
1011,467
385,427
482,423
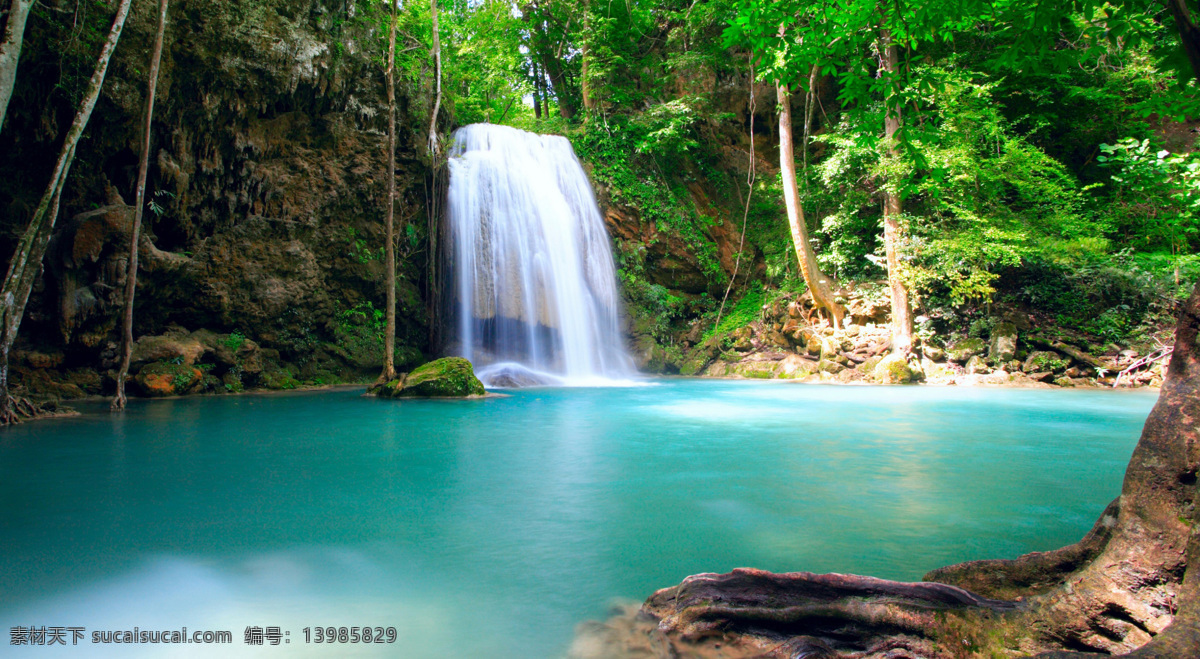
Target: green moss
x,y
448,377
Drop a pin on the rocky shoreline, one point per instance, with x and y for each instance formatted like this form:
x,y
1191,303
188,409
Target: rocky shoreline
x,y
790,341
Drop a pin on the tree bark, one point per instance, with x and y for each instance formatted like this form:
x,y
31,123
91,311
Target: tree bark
x,y
389,245
1189,33
118,402
539,47
818,283
1132,585
893,208
537,89
26,262
10,51
437,59
585,84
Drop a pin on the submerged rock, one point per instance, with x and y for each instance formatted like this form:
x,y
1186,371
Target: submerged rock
x,y
448,377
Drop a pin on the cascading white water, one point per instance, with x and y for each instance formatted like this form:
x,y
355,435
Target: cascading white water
x,y
535,287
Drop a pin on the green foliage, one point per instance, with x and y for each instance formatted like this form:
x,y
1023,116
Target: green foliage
x,y
359,249
364,315
747,310
234,341
639,182
1157,191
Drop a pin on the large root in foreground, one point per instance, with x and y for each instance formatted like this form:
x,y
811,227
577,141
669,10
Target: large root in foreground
x,y
1131,587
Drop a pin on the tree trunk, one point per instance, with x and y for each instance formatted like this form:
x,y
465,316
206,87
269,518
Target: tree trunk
x,y
558,81
118,402
585,84
389,245
1132,585
893,208
27,258
818,283
437,59
10,51
541,49
537,89
1189,33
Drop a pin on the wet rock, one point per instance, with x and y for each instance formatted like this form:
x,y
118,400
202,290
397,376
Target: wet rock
x,y
964,349
513,376
448,377
977,364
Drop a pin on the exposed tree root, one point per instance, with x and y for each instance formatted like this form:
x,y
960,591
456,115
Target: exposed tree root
x,y
17,409
1131,587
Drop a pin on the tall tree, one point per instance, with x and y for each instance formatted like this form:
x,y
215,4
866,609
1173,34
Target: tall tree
x,y
818,283
585,82
31,249
548,38
389,245
118,402
893,204
10,51
437,59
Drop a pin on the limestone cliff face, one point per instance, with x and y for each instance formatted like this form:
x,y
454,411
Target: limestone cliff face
x,y
267,182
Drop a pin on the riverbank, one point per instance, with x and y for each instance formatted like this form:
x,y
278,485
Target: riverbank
x,y
786,338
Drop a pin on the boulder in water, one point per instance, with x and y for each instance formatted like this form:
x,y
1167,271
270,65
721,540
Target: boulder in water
x,y
448,377
511,375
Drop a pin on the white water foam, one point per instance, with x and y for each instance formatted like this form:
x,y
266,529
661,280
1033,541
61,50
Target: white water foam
x,y
535,286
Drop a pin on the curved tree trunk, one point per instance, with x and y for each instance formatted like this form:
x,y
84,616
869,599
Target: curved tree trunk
x,y
118,402
27,259
818,283
10,51
1132,585
389,245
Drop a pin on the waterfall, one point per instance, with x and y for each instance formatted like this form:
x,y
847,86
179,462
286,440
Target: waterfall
x,y
535,290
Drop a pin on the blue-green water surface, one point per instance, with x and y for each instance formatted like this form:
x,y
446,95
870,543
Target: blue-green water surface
x,y
490,528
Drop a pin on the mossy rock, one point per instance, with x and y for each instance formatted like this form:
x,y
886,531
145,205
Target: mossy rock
x,y
168,379
963,350
1045,361
695,362
448,377
894,369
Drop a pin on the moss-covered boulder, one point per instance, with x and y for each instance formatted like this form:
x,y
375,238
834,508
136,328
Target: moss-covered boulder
x,y
168,379
963,350
1041,361
894,369
448,377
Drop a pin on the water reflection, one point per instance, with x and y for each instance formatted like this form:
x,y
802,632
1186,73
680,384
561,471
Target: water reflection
x,y
493,527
